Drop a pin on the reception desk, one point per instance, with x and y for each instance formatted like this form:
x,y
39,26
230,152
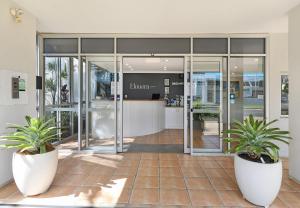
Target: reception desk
x,y
143,117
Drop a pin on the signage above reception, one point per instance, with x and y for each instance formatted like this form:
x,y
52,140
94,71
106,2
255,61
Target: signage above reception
x,y
141,86
135,86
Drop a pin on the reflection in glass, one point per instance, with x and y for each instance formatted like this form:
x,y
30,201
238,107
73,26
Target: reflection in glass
x,y
284,95
247,88
60,73
207,88
101,106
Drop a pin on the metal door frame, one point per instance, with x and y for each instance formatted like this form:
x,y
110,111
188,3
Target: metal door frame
x,y
88,109
220,62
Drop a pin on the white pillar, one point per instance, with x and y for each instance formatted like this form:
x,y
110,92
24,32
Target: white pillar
x,y
294,92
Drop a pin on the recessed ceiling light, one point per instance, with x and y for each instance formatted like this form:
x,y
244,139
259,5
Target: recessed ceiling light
x,y
166,60
126,64
256,60
236,67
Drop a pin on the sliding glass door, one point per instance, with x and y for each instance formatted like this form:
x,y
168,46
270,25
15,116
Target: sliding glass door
x,y
206,108
100,105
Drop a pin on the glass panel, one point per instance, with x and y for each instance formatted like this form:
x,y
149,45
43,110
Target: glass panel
x,y
65,80
60,73
51,80
153,45
101,104
284,95
207,88
60,45
210,45
247,45
97,45
247,88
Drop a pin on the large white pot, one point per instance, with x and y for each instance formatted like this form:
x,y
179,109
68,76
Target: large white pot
x,y
258,182
34,174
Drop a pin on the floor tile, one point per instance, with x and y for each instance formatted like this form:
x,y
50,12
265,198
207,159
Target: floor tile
x,y
125,182
174,197
168,156
149,163
204,198
234,198
198,183
105,171
209,164
193,172
144,196
226,163
292,184
223,184
69,180
146,182
189,163
291,199
148,171
150,156
277,203
95,180
8,190
170,172
172,183
168,163
129,163
96,196
216,173
126,171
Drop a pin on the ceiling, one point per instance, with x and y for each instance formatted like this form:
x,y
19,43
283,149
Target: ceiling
x,y
160,16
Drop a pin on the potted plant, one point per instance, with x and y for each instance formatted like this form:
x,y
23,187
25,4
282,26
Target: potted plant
x,y
34,163
258,168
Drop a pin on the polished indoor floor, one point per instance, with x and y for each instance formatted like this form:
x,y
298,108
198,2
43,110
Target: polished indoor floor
x,y
144,180
167,141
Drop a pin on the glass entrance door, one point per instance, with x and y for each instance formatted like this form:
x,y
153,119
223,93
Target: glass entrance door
x,y
206,122
100,107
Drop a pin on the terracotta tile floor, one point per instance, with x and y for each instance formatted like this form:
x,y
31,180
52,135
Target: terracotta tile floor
x,y
146,179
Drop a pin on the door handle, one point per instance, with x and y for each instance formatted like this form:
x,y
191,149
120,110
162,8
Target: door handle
x,y
192,110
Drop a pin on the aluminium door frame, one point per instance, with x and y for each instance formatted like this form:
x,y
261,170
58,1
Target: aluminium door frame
x,y
202,150
158,55
98,149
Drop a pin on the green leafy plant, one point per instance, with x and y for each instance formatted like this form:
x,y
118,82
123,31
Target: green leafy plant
x,y
256,138
33,138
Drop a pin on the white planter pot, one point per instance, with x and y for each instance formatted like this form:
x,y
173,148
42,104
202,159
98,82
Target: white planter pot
x,y
258,182
34,174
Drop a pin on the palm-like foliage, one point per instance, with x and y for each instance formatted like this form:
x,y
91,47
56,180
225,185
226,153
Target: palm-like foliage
x,y
33,138
256,138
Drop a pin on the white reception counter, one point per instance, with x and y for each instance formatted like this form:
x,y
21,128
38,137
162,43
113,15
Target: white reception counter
x,y
142,117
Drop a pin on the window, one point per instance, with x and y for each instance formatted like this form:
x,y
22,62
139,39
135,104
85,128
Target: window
x,y
247,45
60,45
284,95
210,45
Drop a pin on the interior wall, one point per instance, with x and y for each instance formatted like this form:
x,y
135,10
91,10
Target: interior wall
x,y
278,65
294,92
18,54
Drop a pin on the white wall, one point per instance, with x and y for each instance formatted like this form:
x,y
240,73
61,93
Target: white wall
x,y
294,92
17,53
278,64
